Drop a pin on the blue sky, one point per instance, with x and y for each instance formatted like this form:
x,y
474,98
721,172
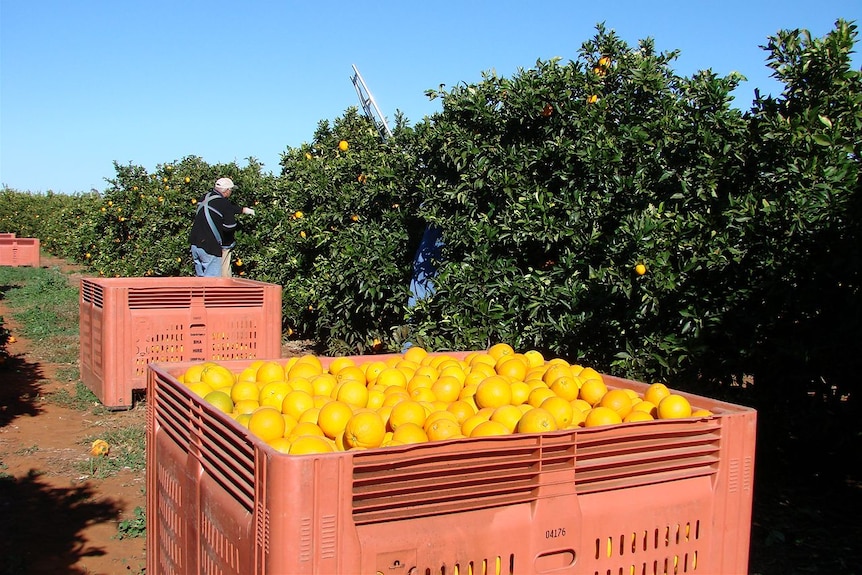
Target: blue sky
x,y
87,83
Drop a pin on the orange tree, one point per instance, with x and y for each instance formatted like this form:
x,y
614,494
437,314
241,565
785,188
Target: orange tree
x,y
591,209
336,231
804,268
140,227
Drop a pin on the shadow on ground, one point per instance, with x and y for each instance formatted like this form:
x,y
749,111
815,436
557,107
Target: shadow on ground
x,y
41,525
20,389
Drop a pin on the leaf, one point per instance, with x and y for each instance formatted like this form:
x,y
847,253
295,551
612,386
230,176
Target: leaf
x,y
825,121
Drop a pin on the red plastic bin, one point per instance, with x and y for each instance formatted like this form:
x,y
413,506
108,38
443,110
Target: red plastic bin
x,y
6,235
19,251
671,496
126,323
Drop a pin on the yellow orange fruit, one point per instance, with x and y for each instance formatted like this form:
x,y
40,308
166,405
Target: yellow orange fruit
x,y
534,357
493,392
217,376
296,402
674,406
273,393
561,409
508,415
407,411
599,415
270,371
364,430
415,353
566,387
333,417
537,420
655,392
512,366
490,428
244,390
267,423
592,391
309,444
638,416
498,350
220,400
338,363
352,392
447,388
443,428
201,388
408,433
618,400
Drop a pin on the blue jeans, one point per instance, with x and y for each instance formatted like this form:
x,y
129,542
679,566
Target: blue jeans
x,y
206,265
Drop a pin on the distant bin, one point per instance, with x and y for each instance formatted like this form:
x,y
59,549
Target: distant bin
x,y
6,235
126,323
666,496
19,251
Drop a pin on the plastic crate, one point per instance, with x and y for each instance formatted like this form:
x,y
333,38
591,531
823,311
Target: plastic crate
x,y
126,323
6,235
645,498
19,251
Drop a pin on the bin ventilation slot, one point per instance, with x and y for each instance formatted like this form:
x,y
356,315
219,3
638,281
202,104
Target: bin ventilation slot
x,y
649,454
210,297
473,476
92,293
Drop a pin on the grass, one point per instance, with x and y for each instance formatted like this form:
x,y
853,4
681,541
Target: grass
x,y
45,305
127,451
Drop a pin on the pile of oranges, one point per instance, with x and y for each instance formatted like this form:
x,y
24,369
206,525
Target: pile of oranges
x,y
301,406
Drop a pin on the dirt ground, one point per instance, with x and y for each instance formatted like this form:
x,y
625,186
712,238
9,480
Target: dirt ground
x,y
54,518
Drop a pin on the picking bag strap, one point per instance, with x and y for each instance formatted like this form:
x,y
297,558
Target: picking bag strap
x,y
205,205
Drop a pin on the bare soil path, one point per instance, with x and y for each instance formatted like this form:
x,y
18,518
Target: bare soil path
x,y
55,517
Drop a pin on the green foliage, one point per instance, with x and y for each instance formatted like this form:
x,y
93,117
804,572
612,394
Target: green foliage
x,y
135,527
339,235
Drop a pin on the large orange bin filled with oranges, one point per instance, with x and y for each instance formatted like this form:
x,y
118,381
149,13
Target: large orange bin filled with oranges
x,y
19,252
663,496
126,323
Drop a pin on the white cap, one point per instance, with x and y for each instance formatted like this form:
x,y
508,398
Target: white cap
x,y
224,184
